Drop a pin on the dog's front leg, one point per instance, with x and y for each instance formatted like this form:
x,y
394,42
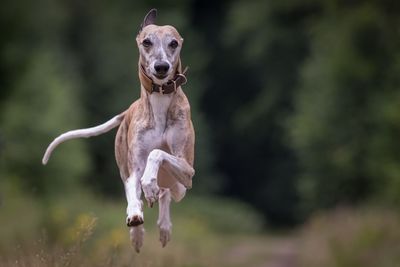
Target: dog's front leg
x,y
178,167
149,178
180,141
133,190
134,209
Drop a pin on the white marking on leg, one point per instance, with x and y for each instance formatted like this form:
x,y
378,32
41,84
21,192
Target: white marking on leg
x,y
134,209
149,179
164,219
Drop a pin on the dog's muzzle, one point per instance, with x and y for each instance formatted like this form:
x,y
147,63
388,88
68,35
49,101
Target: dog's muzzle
x,y
161,68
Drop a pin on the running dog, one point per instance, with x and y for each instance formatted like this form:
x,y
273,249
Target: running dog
x,y
154,145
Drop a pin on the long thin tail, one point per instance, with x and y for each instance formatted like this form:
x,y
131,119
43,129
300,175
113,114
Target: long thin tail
x,y
88,132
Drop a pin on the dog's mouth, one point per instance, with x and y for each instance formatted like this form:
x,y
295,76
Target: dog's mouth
x,y
160,76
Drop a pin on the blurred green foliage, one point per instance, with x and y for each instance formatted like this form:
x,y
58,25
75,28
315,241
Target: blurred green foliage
x,y
346,122
295,103
31,116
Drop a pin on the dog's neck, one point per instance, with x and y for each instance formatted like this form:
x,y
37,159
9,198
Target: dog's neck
x,y
158,102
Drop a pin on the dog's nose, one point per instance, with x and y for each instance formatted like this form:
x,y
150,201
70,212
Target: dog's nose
x,y
161,67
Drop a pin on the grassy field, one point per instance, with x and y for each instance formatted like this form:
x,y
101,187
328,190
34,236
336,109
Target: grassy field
x,y
83,230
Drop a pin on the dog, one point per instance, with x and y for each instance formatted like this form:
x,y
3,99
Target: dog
x,y
154,145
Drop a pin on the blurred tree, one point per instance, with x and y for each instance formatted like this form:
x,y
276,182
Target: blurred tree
x,y
345,124
38,98
36,111
257,49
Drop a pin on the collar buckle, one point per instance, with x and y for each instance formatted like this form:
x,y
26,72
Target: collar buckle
x,y
174,82
184,78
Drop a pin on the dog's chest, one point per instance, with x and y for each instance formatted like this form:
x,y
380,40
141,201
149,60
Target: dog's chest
x,y
159,105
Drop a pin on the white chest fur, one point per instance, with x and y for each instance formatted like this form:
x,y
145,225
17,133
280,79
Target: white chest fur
x,y
159,105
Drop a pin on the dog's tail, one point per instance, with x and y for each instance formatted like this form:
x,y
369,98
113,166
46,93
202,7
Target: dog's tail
x,y
88,132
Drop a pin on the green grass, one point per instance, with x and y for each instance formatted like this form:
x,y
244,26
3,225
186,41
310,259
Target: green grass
x,y
82,230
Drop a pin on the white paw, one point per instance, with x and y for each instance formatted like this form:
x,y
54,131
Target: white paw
x,y
151,191
165,234
134,220
137,236
135,214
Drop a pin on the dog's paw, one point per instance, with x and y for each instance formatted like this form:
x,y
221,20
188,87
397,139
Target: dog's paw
x,y
151,191
165,235
134,220
137,236
134,210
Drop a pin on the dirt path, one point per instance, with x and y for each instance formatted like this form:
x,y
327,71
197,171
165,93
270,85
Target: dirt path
x,y
266,252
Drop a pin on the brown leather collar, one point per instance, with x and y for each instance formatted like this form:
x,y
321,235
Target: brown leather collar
x,y
166,88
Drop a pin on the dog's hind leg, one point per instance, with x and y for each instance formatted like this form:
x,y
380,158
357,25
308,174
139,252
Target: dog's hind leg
x,y
137,236
164,219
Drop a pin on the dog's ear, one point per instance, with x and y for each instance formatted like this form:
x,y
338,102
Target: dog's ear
x,y
150,18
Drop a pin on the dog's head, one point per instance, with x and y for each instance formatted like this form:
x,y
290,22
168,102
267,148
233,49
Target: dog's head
x,y
159,49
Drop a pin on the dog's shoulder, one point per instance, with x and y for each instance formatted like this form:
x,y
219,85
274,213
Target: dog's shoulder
x,y
180,108
138,114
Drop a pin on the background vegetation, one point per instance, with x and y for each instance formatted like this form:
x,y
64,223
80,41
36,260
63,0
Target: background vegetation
x,y
297,117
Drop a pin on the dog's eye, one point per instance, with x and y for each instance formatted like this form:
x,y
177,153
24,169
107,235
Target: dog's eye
x,y
173,44
147,43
